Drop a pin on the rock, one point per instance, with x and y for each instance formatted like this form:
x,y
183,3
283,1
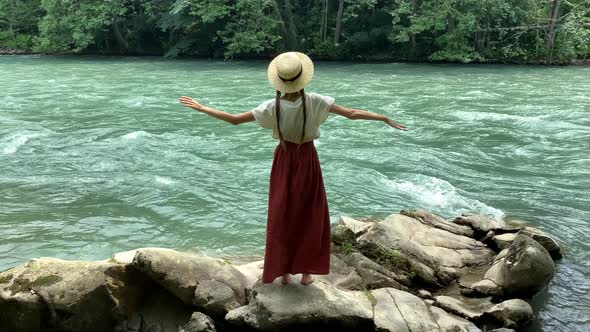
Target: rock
x,y
252,272
480,223
276,307
471,308
503,241
399,311
161,311
451,323
510,313
342,276
342,235
372,274
396,310
434,256
433,220
502,329
545,240
423,293
199,322
68,295
216,297
356,226
523,271
181,273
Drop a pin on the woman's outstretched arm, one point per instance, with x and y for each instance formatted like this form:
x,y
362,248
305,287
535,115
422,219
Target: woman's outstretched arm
x,y
355,114
234,119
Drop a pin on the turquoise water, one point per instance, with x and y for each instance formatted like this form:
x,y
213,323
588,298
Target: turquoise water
x,y
97,156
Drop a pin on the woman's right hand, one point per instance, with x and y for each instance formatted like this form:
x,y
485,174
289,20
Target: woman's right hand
x,y
190,102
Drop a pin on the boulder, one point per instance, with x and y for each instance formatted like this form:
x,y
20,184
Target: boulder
x,y
545,240
342,235
277,307
510,313
68,295
356,226
399,311
373,275
480,223
524,270
503,241
433,220
198,322
434,256
205,282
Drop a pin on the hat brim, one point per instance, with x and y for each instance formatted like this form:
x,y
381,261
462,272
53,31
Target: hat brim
x,y
291,86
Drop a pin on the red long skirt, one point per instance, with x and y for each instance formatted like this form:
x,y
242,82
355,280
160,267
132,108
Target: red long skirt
x,y
298,229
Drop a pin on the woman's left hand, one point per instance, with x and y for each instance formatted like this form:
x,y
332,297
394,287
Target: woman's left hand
x,y
395,125
190,102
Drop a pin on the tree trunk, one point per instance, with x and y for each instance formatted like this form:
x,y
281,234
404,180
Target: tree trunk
x,y
412,35
284,30
339,22
324,34
553,14
123,45
292,32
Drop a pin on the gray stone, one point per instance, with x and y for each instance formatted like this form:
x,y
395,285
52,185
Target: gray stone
x,y
503,241
160,311
451,323
69,295
423,293
215,297
523,271
356,226
512,313
275,307
372,274
434,256
433,220
180,273
545,240
199,322
480,223
342,235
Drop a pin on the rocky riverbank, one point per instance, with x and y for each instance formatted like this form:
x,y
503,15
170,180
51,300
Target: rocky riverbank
x,y
412,271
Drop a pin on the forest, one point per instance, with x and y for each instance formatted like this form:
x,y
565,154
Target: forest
x,y
504,31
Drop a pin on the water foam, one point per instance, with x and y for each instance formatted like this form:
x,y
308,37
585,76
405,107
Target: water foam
x,y
14,142
439,196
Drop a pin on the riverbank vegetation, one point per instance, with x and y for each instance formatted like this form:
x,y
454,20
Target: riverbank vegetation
x,y
521,31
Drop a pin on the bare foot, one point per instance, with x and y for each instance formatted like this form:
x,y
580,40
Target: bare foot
x,y
306,279
286,278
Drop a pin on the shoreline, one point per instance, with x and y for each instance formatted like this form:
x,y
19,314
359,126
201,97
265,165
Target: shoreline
x,y
359,60
413,270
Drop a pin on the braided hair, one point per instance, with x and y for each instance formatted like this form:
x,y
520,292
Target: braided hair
x,y
278,110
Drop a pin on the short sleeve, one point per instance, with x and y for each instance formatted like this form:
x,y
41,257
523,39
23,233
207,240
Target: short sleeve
x,y
321,105
263,114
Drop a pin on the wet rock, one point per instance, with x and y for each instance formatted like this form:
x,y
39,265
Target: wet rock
x,y
512,313
342,235
524,269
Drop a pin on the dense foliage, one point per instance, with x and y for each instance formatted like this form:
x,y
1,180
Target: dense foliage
x,y
553,31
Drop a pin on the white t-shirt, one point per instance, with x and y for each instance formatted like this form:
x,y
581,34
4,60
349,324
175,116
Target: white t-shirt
x,y
291,121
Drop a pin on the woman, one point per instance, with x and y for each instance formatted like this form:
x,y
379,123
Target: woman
x,y
298,228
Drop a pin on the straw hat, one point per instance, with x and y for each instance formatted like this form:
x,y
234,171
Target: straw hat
x,y
290,71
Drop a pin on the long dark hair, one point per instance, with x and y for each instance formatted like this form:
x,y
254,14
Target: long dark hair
x,y
278,109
